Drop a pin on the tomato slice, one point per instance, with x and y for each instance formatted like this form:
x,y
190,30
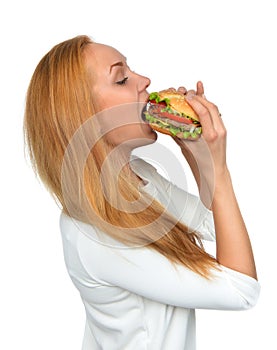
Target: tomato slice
x,y
162,103
169,115
176,117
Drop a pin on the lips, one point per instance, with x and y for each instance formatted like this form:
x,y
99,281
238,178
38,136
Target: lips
x,y
144,110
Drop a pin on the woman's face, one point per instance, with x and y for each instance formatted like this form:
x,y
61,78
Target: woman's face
x,y
120,95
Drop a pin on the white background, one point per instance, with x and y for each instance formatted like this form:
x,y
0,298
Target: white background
x,y
231,47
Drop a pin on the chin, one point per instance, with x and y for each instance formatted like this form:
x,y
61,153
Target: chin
x,y
145,140
150,135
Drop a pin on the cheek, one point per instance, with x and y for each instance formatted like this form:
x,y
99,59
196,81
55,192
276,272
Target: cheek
x,y
120,123
126,116
105,102
115,97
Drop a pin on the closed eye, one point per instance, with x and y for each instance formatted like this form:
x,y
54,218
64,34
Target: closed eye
x,y
122,82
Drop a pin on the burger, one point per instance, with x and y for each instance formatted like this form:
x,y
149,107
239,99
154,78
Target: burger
x,y
168,112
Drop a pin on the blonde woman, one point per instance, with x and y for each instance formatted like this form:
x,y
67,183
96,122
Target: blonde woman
x,y
132,239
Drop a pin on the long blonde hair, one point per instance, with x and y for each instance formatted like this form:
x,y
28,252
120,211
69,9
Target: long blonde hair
x,y
58,125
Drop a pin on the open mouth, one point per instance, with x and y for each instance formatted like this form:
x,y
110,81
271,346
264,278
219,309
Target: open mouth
x,y
144,110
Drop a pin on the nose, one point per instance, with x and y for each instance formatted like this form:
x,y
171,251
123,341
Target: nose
x,y
143,83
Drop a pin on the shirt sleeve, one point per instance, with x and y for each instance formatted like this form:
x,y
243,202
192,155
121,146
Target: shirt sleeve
x,y
187,207
149,274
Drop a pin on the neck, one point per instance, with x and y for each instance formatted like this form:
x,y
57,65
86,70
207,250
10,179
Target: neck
x,y
118,160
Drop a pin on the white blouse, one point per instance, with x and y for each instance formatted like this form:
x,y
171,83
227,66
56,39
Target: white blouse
x,y
134,298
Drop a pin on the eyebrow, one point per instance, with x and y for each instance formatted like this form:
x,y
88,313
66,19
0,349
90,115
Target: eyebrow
x,y
116,64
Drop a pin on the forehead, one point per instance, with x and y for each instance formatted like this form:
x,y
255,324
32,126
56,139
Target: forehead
x,y
100,57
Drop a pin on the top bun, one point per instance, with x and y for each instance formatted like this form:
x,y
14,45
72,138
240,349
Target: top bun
x,y
178,101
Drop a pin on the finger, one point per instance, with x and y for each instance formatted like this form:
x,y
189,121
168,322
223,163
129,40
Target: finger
x,y
199,88
211,110
190,93
205,117
182,90
214,112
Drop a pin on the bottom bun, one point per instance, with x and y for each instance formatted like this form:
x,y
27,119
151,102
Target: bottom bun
x,y
167,132
162,131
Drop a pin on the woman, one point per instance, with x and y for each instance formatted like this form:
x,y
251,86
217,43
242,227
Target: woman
x,y
132,239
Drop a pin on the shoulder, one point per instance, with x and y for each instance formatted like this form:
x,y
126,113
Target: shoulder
x,y
140,165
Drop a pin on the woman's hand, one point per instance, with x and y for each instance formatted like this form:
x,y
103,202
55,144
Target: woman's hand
x,y
199,90
207,159
207,155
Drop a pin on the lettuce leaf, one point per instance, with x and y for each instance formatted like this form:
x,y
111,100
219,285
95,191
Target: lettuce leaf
x,y
155,96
